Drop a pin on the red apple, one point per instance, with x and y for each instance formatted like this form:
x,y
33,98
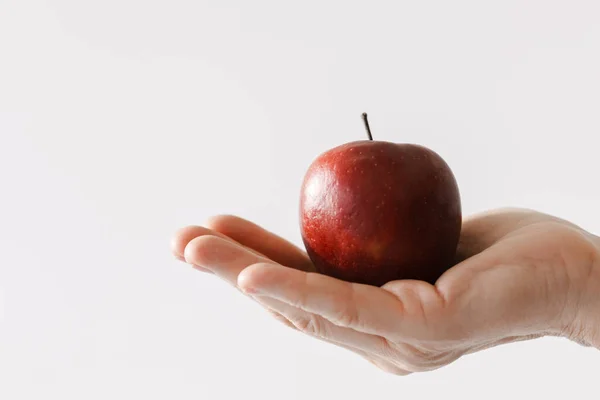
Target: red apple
x,y
374,211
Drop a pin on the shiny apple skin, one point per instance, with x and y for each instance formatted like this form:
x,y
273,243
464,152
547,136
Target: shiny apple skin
x,y
373,211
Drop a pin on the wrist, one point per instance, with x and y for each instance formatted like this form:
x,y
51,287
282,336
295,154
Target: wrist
x,y
585,327
595,310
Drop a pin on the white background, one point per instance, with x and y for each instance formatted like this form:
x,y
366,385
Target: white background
x,y
123,120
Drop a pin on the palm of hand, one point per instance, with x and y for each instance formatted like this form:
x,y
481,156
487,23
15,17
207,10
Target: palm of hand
x,y
514,280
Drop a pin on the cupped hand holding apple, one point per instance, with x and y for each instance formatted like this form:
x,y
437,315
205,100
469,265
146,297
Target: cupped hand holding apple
x,y
520,275
393,273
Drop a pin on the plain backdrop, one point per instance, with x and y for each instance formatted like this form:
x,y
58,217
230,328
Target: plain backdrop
x,y
123,120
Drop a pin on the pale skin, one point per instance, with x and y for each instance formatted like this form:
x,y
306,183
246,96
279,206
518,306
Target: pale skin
x,y
519,275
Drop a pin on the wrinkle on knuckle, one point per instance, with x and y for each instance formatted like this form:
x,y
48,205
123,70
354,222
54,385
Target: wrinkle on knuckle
x,y
346,316
418,360
387,349
310,325
300,293
345,310
403,357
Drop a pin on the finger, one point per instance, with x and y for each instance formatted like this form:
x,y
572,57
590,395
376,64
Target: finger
x,y
180,240
317,326
482,230
226,259
488,297
320,328
364,308
255,237
374,348
185,235
221,256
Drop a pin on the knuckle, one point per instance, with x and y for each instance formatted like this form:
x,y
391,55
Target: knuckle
x,y
347,316
346,312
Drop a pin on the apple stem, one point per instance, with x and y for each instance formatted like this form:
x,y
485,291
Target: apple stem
x,y
367,127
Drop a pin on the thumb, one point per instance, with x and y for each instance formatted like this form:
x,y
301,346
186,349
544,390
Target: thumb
x,y
486,298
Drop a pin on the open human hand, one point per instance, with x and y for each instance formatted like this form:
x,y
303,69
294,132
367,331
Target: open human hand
x,y
519,275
